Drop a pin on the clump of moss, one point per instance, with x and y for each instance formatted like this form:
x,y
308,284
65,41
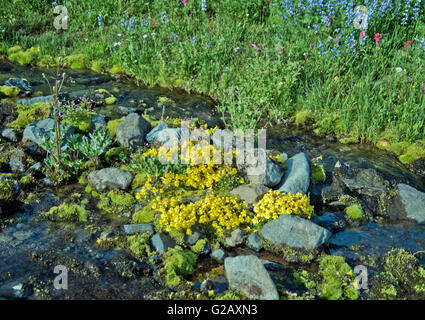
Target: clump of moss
x,y
334,280
199,246
98,66
27,180
318,173
115,154
139,180
289,254
349,140
413,152
112,127
111,100
13,50
145,215
402,277
165,101
6,189
76,61
9,91
354,211
347,200
67,212
116,202
29,114
301,117
115,69
139,245
91,191
46,61
178,262
22,57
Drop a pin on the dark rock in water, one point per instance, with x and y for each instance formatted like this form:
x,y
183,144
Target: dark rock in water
x,y
297,175
248,275
406,203
110,179
22,84
333,221
375,240
295,232
417,167
42,202
122,110
132,130
218,285
161,242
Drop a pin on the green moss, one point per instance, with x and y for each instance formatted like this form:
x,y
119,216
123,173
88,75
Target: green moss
x,y
115,69
116,202
228,295
402,277
22,57
413,152
178,262
289,254
347,200
9,91
354,211
199,246
27,180
145,215
164,101
115,153
301,117
318,173
82,123
46,61
113,125
67,212
13,50
139,245
111,100
76,61
6,189
139,181
29,114
349,140
98,66
334,280
177,236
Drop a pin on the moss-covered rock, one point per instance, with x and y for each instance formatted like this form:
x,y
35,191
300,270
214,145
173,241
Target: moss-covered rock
x,y
139,245
22,57
111,100
112,127
67,212
7,189
9,91
302,117
178,262
354,211
318,173
116,202
29,114
76,61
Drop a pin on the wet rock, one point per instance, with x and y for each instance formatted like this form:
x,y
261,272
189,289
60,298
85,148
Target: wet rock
x,y
9,134
151,136
35,168
98,121
43,128
250,193
126,110
16,162
131,132
218,255
262,170
12,289
22,84
110,179
42,202
297,175
237,237
333,221
31,101
295,232
130,229
168,137
218,285
197,233
248,275
408,203
161,242
255,242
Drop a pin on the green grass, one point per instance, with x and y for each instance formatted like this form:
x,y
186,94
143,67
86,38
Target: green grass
x,y
358,95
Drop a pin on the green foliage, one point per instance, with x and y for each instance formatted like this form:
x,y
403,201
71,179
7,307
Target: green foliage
x,y
402,277
9,91
76,61
113,125
116,202
354,211
333,281
111,100
145,215
178,262
29,114
318,173
139,245
67,212
301,117
199,246
27,181
22,57
6,189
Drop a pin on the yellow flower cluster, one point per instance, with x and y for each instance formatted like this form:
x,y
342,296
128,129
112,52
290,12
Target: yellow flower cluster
x,y
277,158
148,189
274,203
222,213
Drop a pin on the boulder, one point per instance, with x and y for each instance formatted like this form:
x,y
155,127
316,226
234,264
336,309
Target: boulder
x,y
408,203
248,275
22,84
130,229
250,193
262,170
9,134
151,136
297,175
237,237
295,232
131,132
168,137
333,221
161,242
255,242
98,121
218,255
110,179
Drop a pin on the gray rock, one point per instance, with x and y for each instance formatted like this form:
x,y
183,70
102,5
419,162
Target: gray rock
x,y
197,233
22,84
110,179
295,232
36,167
255,242
43,128
130,229
237,237
10,135
333,221
168,137
131,132
125,110
218,255
409,203
151,136
97,121
261,169
248,275
16,163
250,193
161,242
297,176
31,101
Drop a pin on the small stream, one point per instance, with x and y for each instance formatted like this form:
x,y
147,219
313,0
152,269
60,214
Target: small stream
x,y
30,249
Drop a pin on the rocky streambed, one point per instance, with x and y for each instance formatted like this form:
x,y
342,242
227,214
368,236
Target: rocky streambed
x,y
366,204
